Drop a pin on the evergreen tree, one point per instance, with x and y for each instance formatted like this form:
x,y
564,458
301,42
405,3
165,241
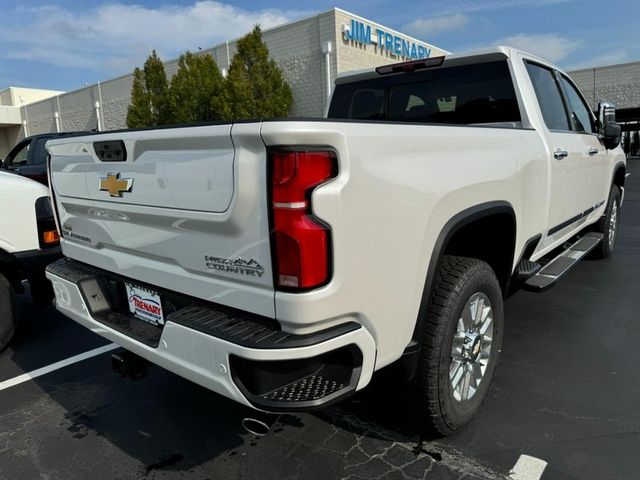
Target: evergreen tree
x,y
155,79
149,95
255,85
139,112
197,90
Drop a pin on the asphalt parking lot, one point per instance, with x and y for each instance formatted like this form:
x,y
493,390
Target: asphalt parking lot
x,y
567,392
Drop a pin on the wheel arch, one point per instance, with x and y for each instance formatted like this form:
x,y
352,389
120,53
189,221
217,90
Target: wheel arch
x,y
619,175
448,243
9,268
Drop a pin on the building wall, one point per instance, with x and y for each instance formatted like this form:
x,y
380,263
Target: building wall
x,y
6,97
617,84
116,95
9,136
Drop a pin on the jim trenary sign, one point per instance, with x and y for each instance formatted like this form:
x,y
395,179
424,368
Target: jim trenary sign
x,y
364,34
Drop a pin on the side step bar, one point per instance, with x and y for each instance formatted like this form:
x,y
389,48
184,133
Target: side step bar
x,y
559,266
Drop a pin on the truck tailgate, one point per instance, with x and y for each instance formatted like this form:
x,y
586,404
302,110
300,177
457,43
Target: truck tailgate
x,y
186,210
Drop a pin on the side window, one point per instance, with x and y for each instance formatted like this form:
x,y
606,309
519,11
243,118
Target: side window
x,y
18,158
581,119
549,97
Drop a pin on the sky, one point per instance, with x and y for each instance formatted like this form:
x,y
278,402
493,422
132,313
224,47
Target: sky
x,y
65,44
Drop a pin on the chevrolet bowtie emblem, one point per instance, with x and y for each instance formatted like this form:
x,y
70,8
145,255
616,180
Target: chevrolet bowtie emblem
x,y
115,185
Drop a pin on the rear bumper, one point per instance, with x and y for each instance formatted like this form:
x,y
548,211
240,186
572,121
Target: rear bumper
x,y
247,361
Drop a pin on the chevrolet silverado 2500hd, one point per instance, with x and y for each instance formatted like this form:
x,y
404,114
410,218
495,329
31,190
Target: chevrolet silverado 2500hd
x,y
282,262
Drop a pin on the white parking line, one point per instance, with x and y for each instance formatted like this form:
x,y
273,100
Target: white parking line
x,y
25,377
527,468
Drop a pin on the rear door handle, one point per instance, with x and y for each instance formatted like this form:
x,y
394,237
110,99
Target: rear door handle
x,y
592,151
559,154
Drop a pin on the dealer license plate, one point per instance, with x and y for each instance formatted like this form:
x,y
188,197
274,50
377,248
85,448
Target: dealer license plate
x,y
145,304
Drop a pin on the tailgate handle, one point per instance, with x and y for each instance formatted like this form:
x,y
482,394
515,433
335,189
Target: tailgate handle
x,y
110,150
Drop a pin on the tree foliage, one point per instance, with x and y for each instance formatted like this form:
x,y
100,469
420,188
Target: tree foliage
x,y
197,91
255,83
254,88
149,95
139,112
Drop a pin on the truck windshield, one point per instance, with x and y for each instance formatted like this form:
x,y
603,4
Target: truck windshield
x,y
480,93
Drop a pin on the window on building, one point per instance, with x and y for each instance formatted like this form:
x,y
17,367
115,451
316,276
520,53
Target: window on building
x,y
549,97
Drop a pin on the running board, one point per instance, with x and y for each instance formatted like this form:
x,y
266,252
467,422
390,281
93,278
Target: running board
x,y
559,266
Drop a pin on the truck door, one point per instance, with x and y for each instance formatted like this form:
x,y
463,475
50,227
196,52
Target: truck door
x,y
583,124
568,151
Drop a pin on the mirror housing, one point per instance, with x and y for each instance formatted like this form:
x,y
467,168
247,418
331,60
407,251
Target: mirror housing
x,y
608,130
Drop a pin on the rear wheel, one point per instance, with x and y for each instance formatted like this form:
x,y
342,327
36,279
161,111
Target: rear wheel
x,y
608,225
461,343
8,312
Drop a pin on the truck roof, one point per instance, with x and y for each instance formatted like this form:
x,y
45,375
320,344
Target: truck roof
x,y
484,54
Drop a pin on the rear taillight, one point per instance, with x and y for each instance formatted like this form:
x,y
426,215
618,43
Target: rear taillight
x,y
301,242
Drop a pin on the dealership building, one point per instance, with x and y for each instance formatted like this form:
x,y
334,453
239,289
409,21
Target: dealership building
x,y
310,52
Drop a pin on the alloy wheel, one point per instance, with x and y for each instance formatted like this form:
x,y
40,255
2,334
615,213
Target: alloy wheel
x,y
471,348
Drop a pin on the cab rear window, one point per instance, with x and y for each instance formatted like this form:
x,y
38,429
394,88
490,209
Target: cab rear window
x,y
476,94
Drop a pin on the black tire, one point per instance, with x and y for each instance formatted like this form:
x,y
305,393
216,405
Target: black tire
x,y
458,279
605,247
8,312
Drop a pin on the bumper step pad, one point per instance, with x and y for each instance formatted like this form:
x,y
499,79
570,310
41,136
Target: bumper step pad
x,y
560,265
313,387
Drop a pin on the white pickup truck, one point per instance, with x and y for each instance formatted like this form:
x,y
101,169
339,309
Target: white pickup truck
x,y
282,262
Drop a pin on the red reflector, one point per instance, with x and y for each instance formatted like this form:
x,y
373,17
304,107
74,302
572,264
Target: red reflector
x,y
301,242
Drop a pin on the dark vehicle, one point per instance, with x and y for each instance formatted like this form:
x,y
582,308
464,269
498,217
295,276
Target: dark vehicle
x,y
29,157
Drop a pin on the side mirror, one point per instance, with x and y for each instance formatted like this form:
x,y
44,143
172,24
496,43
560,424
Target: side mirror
x,y
608,129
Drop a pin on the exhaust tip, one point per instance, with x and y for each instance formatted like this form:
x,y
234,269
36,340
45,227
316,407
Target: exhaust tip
x,y
255,427
259,426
